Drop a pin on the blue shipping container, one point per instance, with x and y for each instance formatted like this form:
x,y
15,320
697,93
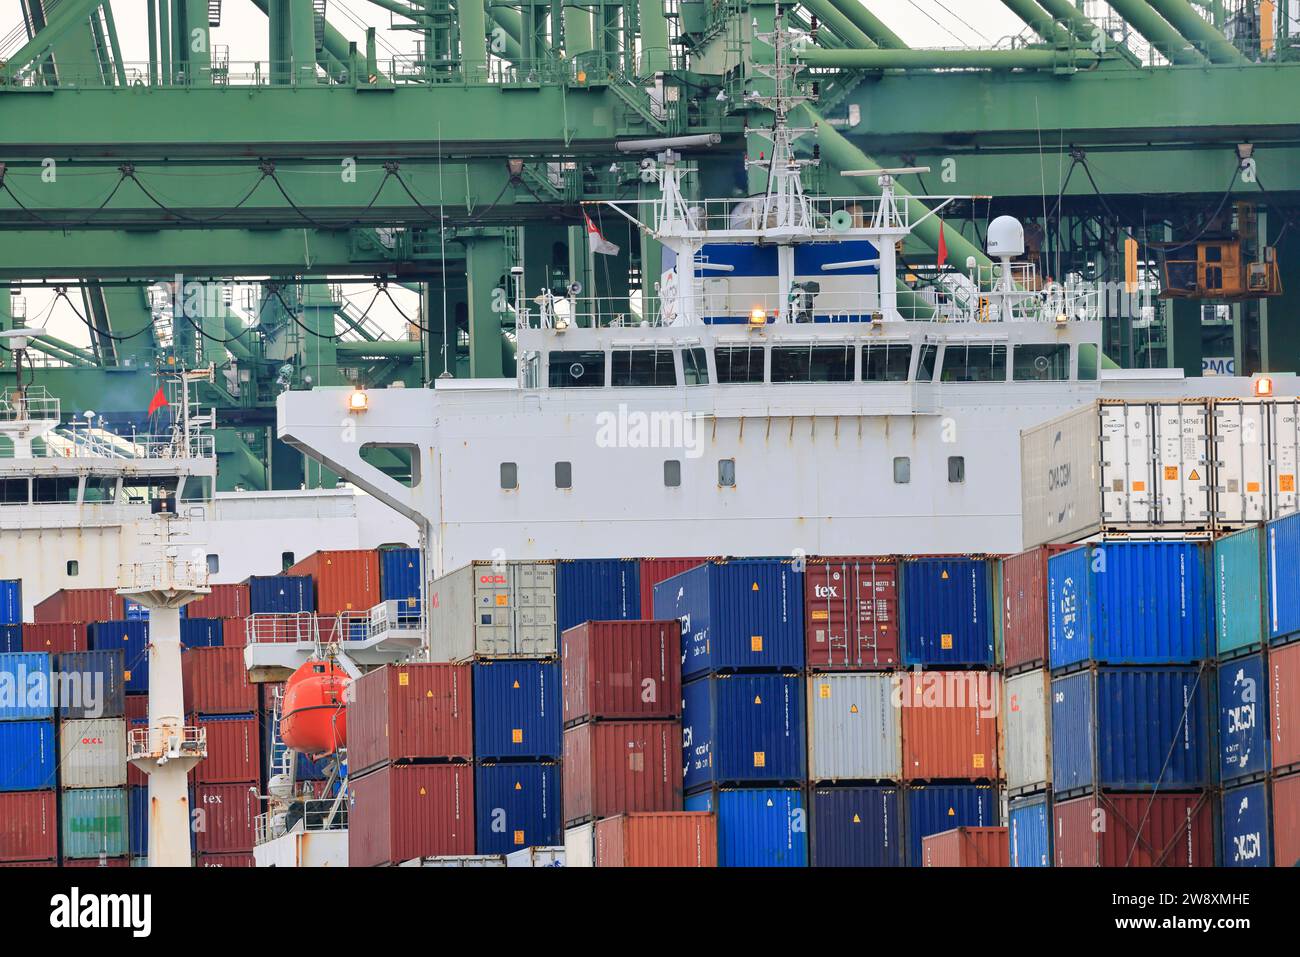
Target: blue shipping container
x,y
932,809
11,601
1282,557
743,728
130,637
281,594
1131,603
135,611
27,755
1238,562
399,579
1246,828
1243,718
947,616
26,693
137,828
11,639
1129,729
517,712
201,633
1029,830
597,589
856,827
91,684
517,805
736,615
764,827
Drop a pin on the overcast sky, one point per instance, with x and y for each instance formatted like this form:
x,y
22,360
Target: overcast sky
x,y
243,31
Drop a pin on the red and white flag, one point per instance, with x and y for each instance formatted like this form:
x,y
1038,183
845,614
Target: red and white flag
x,y
943,246
599,244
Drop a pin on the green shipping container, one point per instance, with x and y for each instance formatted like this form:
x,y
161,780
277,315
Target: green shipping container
x,y
94,822
1239,591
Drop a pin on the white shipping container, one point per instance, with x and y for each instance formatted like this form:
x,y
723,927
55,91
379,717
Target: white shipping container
x,y
580,846
462,860
1028,732
1255,456
92,753
536,857
854,731
493,610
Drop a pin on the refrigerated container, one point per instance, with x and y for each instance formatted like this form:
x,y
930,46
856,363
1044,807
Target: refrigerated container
x,y
536,857
580,845
1243,724
343,580
658,839
596,589
854,731
516,805
613,767
493,610
621,670
517,710
404,811
743,728
856,826
851,614
757,827
1133,830
950,725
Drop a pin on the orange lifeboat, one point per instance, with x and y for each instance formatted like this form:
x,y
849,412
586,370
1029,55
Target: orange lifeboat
x,y
314,719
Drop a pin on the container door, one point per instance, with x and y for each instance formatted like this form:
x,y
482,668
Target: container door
x,y
533,592
493,614
1182,464
1126,464
1284,450
828,615
876,589
1240,463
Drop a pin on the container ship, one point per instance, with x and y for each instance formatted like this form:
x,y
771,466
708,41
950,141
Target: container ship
x,y
789,557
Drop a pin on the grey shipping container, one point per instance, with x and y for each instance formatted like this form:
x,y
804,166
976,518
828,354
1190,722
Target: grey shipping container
x,y
493,610
1117,466
580,845
1026,734
92,753
854,732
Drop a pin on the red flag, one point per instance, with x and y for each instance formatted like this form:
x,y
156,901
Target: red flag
x,y
943,246
157,402
599,244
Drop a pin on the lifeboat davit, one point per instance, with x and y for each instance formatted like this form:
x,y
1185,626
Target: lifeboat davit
x,y
314,719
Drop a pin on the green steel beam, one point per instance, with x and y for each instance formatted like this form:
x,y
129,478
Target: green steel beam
x,y
1146,21
654,36
870,24
67,15
1199,31
1023,59
1039,20
1063,11
844,28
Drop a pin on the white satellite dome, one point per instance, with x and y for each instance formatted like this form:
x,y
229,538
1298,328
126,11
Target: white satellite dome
x,y
1006,237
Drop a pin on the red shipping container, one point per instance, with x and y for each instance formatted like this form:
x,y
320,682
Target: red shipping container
x,y
224,601
224,818
851,614
967,847
1102,830
96,862
345,580
50,863
55,637
232,751
29,826
614,767
950,725
404,811
80,604
224,860
402,712
1284,705
1024,606
659,839
234,632
1286,821
622,669
655,570
216,681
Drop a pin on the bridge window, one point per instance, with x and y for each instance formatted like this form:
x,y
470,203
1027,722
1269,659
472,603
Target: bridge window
x,y
672,473
509,475
974,362
956,469
643,367
1041,363
727,473
55,490
739,363
1087,361
695,367
926,363
902,470
100,489
885,362
564,475
812,363
576,370
14,491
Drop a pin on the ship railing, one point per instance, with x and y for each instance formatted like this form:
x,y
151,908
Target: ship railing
x,y
168,742
828,217
164,575
316,812
342,627
299,628
32,403
395,615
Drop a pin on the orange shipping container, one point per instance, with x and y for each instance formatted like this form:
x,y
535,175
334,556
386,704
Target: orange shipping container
x,y
55,637
1284,705
614,767
345,580
967,847
80,604
216,681
950,725
665,839
224,601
